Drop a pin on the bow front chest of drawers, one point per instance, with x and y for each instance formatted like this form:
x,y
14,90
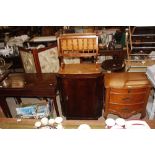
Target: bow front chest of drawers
x,y
126,94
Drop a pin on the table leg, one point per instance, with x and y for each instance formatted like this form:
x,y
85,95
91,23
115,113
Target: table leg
x,y
56,106
5,107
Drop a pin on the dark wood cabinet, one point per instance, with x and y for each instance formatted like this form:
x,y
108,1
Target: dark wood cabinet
x,y
81,95
126,94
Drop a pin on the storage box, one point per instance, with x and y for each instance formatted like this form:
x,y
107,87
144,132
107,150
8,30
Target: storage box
x,y
33,111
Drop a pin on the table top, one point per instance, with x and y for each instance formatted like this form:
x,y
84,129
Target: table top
x,y
29,84
126,79
11,123
81,69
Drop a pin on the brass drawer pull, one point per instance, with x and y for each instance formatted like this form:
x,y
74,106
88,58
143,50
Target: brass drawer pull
x,y
125,109
126,99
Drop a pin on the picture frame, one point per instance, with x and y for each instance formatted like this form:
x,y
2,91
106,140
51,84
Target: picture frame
x,y
42,60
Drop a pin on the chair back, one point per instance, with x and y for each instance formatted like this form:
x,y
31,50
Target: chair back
x,y
78,45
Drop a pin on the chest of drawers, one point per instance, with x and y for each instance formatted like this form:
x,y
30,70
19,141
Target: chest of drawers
x,y
126,94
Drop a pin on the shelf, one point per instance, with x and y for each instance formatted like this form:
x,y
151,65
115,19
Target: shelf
x,y
140,45
139,64
143,35
143,47
103,52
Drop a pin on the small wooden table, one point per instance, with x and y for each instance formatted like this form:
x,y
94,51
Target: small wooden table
x,y
11,123
28,85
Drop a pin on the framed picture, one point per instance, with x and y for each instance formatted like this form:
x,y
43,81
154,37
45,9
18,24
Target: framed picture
x,y
48,60
43,60
28,60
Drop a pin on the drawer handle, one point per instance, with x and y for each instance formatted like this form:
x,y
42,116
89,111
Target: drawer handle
x,y
125,99
125,109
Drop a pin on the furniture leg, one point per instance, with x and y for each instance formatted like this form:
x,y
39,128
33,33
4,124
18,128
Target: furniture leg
x,y
5,107
105,115
56,106
18,99
143,114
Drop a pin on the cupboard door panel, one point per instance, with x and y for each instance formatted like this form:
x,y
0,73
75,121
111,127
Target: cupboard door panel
x,y
82,97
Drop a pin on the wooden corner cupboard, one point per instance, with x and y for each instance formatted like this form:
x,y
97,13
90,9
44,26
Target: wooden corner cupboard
x,y
81,95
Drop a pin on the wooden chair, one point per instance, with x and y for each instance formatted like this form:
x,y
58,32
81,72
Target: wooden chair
x,y
78,45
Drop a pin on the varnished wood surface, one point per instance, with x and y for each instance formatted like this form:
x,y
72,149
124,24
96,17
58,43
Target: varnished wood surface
x,y
34,84
80,69
11,123
126,94
28,85
81,95
126,79
117,52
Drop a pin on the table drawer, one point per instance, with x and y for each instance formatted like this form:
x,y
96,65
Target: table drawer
x,y
127,98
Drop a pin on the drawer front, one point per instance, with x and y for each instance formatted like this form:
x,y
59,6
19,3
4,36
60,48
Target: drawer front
x,y
126,108
128,90
129,98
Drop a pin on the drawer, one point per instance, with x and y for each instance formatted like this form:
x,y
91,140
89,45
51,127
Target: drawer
x,y
126,108
127,98
128,90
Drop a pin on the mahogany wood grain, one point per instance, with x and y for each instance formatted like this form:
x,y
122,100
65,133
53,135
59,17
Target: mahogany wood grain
x,y
81,95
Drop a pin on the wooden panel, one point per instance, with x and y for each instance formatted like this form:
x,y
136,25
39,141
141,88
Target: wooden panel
x,y
80,69
126,111
128,90
81,96
78,45
127,98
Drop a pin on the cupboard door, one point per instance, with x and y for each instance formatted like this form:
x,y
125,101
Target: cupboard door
x,y
82,97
